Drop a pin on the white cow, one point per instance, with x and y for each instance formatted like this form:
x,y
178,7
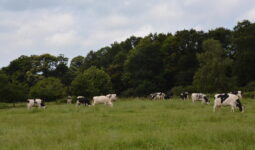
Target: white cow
x,y
69,100
107,100
227,100
35,103
200,97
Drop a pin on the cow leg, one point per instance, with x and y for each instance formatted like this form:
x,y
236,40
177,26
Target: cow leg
x,y
214,108
77,103
110,104
29,106
232,108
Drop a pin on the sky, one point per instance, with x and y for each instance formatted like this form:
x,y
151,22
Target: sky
x,y
74,27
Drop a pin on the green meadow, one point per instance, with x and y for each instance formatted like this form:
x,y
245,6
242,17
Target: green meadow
x,y
130,124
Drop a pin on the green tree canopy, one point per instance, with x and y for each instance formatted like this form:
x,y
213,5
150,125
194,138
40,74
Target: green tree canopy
x,y
144,66
12,91
213,74
48,89
91,82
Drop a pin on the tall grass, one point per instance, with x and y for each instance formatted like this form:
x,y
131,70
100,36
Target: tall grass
x,y
130,124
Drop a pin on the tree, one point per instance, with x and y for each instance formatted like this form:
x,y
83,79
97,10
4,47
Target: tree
x,y
48,89
225,37
143,68
92,82
76,64
215,68
244,37
12,91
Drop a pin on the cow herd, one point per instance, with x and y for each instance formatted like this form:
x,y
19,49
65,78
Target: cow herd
x,y
231,99
81,100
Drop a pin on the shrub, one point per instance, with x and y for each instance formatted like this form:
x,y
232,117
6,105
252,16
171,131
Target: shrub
x,y
91,82
48,89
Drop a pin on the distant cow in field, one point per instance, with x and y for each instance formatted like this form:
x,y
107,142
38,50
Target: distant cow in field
x,y
69,100
227,99
107,100
237,93
35,103
184,95
82,100
200,97
157,95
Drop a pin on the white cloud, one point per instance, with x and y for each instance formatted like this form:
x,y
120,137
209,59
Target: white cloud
x,y
72,27
250,15
114,21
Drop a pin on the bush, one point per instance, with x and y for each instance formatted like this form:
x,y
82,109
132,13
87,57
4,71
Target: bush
x,y
48,89
91,82
249,94
12,91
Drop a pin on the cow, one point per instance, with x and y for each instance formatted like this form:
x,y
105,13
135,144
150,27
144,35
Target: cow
x,y
69,100
237,93
157,95
227,99
35,103
200,97
82,100
107,100
184,95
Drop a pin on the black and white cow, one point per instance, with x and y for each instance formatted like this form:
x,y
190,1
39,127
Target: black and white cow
x,y
237,93
82,100
184,95
35,103
157,95
227,99
200,97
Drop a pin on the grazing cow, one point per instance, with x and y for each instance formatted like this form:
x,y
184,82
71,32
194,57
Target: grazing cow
x,y
157,95
35,103
107,100
69,100
82,100
200,97
227,99
184,95
237,93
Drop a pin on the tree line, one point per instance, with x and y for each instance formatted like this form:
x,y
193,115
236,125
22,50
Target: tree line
x,y
218,60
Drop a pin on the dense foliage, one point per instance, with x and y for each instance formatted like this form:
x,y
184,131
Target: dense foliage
x,y
48,89
219,60
91,82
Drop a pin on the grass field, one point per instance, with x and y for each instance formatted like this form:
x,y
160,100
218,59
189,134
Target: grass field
x,y
130,124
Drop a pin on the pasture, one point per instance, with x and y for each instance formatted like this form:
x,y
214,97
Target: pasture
x,y
130,124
